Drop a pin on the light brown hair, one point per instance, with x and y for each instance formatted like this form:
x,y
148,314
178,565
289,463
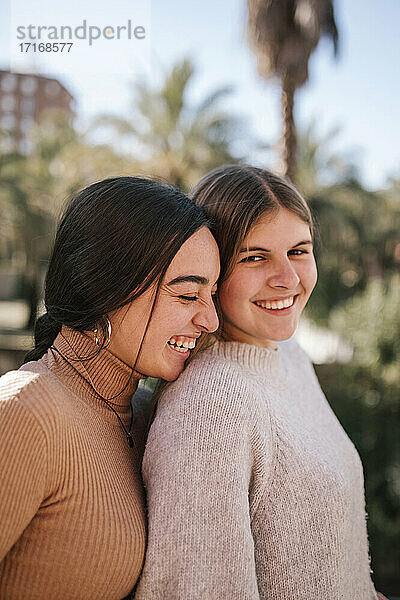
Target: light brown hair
x,y
235,197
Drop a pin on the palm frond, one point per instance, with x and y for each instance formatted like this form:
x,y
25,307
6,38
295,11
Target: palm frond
x,y
212,99
174,89
121,125
284,33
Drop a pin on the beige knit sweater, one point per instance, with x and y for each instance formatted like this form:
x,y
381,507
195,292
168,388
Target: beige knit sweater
x,y
254,489
71,506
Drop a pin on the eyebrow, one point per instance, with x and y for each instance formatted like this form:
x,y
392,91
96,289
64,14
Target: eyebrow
x,y
254,249
189,278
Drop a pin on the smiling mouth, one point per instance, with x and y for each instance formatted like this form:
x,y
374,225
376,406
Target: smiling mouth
x,y
183,352
182,344
276,306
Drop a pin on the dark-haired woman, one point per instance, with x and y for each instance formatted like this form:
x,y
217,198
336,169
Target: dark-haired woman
x,y
254,490
128,292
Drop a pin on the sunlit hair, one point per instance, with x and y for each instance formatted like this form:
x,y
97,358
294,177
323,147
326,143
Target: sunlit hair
x,y
236,197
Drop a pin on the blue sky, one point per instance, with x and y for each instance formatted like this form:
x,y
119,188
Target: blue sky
x,y
359,92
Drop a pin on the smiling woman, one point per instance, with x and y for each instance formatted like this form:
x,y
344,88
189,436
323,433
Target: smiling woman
x,y
254,490
184,309
129,283
275,274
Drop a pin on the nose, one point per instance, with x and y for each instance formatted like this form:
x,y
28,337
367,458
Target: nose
x,y
284,275
207,317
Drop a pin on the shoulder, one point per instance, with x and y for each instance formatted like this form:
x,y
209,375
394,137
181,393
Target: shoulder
x,y
211,392
293,352
299,366
214,409
14,382
33,391
211,375
291,347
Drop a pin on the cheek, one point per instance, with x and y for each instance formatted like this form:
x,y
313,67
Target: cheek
x,y
169,319
308,276
225,297
229,293
312,276
236,292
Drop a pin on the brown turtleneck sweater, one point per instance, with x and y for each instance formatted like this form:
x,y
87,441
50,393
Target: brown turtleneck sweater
x,y
71,502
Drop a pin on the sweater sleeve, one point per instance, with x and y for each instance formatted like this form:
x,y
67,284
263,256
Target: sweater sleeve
x,y
197,469
23,468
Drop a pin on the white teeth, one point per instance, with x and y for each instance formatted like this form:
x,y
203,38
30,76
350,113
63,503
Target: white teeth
x,y
276,305
183,344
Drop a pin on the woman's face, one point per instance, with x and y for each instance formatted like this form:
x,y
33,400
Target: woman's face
x,y
184,309
264,296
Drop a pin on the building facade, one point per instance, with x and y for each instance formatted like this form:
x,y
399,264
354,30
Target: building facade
x,y
23,100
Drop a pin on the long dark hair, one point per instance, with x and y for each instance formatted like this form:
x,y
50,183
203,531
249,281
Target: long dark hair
x,y
116,238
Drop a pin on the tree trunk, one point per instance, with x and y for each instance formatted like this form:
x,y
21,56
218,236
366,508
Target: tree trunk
x,y
289,136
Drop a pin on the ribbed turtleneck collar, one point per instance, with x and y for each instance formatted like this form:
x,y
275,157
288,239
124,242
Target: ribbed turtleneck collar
x,y
253,358
104,372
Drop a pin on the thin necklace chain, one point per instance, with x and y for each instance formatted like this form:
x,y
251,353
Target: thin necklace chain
x,y
105,400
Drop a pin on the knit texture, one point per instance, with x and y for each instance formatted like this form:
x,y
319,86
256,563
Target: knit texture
x,y
71,501
254,489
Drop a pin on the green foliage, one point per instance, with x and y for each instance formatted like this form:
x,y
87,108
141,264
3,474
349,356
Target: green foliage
x,y
33,188
177,141
365,395
358,229
371,322
369,411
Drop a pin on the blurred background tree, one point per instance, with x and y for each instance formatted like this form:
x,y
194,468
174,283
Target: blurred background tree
x,y
358,229
176,141
26,228
283,35
365,395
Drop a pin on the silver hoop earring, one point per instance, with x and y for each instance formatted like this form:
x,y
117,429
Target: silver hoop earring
x,y
109,331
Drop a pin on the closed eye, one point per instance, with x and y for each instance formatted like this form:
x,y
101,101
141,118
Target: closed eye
x,y
189,298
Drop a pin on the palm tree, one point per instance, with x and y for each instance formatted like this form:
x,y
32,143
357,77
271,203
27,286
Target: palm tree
x,y
283,35
176,141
